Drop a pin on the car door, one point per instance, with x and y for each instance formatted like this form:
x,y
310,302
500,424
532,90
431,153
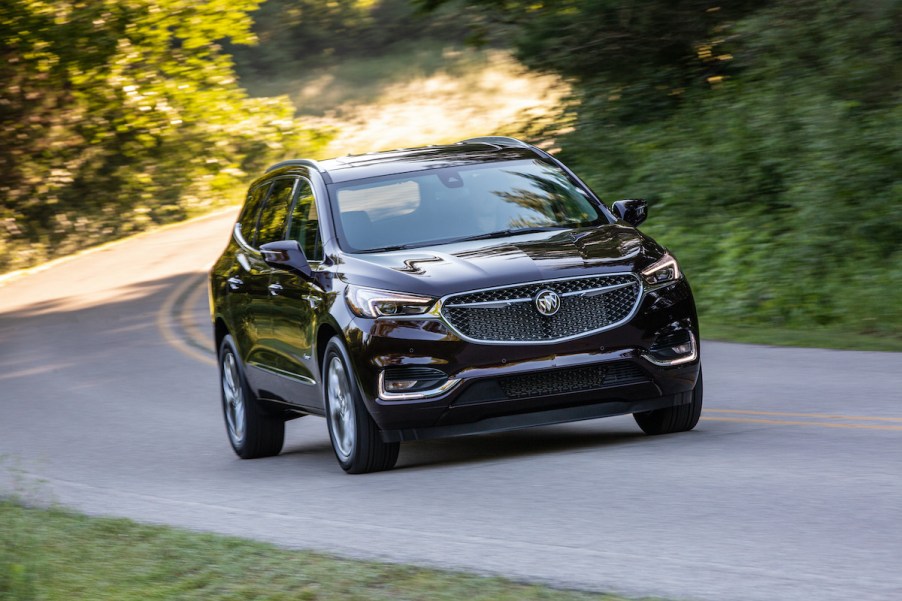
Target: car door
x,y
296,300
260,358
244,271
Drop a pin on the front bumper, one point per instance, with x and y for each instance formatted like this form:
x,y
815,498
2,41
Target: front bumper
x,y
517,385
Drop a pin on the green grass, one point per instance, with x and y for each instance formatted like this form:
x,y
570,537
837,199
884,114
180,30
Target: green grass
x,y
55,555
820,337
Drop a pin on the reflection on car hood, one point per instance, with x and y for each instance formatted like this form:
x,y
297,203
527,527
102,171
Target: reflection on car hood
x,y
449,268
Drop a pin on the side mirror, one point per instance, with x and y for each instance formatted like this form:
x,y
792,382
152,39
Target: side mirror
x,y
633,211
286,254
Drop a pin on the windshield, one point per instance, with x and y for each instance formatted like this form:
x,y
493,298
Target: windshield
x,y
454,203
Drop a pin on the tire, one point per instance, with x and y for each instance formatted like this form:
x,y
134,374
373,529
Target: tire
x,y
680,418
252,433
355,436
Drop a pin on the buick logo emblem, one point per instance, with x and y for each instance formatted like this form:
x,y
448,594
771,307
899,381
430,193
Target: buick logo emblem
x,y
548,302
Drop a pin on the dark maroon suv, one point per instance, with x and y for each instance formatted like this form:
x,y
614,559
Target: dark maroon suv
x,y
440,291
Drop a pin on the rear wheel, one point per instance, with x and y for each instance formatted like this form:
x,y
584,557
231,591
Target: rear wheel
x,y
251,431
680,418
355,436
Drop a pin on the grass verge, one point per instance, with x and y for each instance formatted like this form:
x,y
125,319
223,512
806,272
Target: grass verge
x,y
56,555
821,337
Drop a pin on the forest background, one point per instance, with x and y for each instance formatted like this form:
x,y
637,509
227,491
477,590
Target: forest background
x,y
765,134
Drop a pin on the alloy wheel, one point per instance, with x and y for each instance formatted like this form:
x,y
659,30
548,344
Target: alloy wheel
x,y
342,422
233,397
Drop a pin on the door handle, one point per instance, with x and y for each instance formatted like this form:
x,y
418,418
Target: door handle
x,y
275,289
235,282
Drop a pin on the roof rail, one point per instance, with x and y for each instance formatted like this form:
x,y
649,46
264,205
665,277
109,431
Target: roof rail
x,y
293,162
502,141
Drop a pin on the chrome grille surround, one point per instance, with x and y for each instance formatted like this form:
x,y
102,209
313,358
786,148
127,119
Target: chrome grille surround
x,y
508,315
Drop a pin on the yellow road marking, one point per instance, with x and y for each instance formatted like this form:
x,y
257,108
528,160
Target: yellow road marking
x,y
811,415
166,315
782,422
186,316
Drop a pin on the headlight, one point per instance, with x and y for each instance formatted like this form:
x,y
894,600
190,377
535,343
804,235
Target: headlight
x,y
663,271
369,302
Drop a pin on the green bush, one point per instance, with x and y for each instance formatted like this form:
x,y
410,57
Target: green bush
x,y
778,185
115,115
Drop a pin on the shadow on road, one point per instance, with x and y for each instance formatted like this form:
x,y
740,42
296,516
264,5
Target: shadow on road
x,y
83,330
511,445
97,342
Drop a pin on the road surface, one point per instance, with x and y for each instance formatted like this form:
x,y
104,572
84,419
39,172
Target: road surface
x,y
790,487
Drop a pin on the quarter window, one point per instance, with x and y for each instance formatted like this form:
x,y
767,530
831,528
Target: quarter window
x,y
273,215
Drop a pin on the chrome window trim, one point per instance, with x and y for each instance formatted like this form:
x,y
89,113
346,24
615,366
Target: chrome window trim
x,y
239,238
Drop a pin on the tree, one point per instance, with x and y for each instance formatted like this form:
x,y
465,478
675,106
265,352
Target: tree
x,y
767,137
115,114
645,53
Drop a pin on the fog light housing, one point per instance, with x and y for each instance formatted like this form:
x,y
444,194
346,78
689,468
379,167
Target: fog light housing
x,y
400,385
410,383
673,348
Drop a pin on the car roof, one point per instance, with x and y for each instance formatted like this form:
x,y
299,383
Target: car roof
x,y
376,164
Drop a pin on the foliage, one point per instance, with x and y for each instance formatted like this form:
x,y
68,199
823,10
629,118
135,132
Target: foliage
x,y
646,51
767,137
117,114
297,35
767,134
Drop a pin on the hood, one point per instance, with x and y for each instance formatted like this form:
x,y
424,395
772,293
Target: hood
x,y
450,268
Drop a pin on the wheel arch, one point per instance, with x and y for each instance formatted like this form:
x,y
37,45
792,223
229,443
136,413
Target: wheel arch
x,y
220,331
323,335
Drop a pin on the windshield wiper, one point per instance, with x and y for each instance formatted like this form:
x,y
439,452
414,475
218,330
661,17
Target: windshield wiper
x,y
512,232
385,249
489,235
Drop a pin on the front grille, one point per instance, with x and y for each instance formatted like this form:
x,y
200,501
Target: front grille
x,y
577,379
510,314
554,381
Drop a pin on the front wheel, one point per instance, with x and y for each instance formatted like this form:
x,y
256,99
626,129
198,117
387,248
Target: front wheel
x,y
355,436
680,418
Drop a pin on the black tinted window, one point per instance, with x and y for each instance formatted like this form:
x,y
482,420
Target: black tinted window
x,y
271,226
248,218
304,224
443,205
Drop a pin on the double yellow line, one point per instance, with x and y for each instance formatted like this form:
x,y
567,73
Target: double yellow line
x,y
177,325
822,420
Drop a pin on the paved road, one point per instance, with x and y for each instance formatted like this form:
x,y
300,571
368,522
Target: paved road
x,y
790,488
